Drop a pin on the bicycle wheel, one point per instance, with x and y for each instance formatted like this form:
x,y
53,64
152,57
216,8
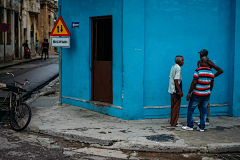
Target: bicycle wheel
x,y
20,117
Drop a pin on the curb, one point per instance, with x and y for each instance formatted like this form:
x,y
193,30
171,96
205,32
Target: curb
x,y
51,83
128,146
22,62
28,94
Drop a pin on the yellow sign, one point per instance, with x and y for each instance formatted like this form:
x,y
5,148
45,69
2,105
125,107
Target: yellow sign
x,y
60,28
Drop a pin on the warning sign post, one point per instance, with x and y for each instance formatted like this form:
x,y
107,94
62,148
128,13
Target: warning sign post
x,y
60,29
60,42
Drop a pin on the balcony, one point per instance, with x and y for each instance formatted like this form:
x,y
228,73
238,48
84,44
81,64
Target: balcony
x,y
32,6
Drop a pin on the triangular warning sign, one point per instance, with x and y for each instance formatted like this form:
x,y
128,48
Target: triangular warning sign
x,y
60,28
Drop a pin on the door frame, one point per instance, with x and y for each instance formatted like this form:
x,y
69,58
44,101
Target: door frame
x,y
92,53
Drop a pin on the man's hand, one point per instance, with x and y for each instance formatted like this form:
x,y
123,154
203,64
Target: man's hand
x,y
188,97
180,93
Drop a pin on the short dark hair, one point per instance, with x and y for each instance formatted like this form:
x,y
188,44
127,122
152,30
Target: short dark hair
x,y
203,52
178,59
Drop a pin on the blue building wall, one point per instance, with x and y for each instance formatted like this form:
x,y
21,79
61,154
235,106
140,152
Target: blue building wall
x,y
77,59
147,35
236,91
133,58
183,28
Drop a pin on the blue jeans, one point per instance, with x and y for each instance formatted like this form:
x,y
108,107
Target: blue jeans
x,y
194,102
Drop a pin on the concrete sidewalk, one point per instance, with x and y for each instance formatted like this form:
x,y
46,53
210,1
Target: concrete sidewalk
x,y
151,135
17,62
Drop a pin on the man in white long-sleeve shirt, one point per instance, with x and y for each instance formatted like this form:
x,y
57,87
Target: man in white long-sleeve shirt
x,y
175,89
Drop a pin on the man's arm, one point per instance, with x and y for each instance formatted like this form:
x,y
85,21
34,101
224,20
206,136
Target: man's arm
x,y
177,85
218,69
192,87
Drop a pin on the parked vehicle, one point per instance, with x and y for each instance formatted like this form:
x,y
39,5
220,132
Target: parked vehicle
x,y
17,112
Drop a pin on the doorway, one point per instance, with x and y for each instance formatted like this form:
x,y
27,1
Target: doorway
x,y
101,66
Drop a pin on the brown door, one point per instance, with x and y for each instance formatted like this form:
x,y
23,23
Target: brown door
x,y
102,59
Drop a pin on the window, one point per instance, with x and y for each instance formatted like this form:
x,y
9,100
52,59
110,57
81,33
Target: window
x,y
9,18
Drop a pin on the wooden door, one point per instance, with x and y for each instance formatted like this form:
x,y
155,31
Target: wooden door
x,y
102,59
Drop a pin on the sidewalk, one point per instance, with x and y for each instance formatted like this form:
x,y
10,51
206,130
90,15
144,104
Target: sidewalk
x,y
151,135
17,62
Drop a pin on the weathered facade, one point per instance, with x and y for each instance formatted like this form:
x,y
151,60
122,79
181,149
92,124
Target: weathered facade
x,y
10,13
48,13
30,11
30,20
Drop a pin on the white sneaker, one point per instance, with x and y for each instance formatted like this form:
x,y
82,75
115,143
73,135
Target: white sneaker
x,y
197,121
187,128
178,125
201,130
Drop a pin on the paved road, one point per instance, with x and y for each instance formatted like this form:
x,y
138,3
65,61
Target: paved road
x,y
38,72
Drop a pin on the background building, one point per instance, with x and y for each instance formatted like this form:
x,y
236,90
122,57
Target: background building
x,y
124,49
30,12
30,20
10,13
46,20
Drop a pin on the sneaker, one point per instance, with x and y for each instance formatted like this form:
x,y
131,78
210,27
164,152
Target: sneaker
x,y
178,125
201,130
187,128
198,121
207,121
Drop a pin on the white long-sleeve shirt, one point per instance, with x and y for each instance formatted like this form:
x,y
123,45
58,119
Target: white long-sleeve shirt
x,y
175,73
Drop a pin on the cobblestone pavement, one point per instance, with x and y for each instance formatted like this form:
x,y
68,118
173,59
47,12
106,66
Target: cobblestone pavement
x,y
27,145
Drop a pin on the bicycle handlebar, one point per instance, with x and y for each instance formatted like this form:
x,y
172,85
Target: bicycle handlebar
x,y
23,84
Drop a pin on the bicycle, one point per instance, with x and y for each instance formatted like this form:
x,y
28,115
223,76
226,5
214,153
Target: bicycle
x,y
15,109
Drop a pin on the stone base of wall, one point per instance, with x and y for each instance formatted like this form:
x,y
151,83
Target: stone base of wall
x,y
9,58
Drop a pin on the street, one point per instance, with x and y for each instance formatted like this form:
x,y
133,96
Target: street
x,y
138,80
37,72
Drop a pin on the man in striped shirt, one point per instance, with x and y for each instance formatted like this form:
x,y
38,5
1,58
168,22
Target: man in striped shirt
x,y
201,88
204,53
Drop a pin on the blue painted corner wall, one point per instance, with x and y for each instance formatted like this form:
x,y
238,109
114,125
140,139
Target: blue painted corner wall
x,y
147,35
236,84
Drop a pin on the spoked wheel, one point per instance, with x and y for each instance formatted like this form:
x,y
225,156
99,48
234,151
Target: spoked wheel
x,y
20,117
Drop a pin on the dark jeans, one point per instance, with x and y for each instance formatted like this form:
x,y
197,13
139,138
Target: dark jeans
x,y
208,113
194,102
46,53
